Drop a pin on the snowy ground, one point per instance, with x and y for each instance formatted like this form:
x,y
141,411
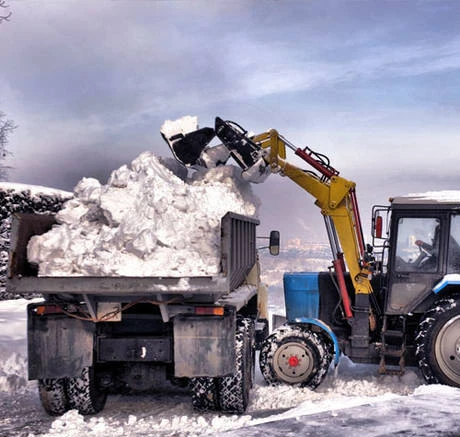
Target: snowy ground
x,y
355,400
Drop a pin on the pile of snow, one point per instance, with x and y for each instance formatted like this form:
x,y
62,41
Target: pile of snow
x,y
13,360
151,219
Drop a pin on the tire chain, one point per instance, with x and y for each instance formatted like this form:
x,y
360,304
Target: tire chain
x,y
422,339
324,348
53,396
234,389
204,393
83,395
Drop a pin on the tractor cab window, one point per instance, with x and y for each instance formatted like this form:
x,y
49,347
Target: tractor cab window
x,y
453,257
417,245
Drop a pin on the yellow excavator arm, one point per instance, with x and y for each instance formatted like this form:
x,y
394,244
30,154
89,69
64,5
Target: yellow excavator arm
x,y
333,194
336,198
265,153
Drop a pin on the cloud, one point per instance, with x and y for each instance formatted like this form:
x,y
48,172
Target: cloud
x,y
114,59
90,83
286,71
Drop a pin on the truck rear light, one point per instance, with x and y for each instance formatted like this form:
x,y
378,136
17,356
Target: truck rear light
x,y
209,311
48,309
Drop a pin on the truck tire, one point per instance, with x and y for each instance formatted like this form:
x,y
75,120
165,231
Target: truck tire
x,y
295,355
261,333
53,396
438,342
83,394
234,389
204,393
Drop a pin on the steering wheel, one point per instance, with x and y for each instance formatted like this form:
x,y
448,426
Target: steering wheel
x,y
425,253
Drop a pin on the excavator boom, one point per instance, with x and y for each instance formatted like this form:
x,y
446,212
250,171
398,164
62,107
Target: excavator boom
x,y
265,153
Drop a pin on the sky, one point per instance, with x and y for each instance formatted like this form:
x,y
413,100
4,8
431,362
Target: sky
x,y
374,85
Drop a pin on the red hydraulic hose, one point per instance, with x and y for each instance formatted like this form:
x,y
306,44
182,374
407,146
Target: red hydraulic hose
x,y
337,263
315,164
359,230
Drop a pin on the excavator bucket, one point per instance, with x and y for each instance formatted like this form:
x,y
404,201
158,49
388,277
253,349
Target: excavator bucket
x,y
190,147
187,148
248,154
244,151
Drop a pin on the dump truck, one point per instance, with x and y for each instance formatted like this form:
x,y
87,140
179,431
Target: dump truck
x,y
92,336
393,303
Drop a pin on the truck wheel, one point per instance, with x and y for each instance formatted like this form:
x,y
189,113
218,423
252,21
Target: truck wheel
x,y
83,393
295,355
261,333
204,393
438,343
53,396
234,389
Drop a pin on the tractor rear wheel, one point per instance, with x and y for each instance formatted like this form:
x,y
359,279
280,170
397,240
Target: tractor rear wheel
x,y
438,343
295,355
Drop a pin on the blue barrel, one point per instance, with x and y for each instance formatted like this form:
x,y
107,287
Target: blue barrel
x,y
301,295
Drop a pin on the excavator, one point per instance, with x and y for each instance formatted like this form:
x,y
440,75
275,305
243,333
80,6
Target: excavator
x,y
395,307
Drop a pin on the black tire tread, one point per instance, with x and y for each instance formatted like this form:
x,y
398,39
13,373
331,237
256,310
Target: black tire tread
x,y
430,323
321,348
53,396
204,394
83,394
234,389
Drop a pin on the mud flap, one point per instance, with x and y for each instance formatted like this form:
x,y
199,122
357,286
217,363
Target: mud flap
x,y
204,345
58,346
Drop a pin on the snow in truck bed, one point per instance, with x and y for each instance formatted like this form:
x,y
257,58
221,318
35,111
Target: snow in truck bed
x,y
150,219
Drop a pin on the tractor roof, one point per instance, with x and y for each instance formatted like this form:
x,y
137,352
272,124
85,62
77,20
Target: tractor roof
x,y
433,198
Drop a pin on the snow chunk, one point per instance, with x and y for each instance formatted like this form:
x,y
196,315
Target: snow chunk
x,y
147,221
183,125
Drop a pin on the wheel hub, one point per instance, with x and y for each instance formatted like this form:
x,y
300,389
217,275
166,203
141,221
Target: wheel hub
x,y
293,362
447,349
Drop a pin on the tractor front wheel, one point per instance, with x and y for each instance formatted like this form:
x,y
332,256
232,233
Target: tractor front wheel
x,y
295,355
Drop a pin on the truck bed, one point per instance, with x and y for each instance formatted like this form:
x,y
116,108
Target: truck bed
x,y
238,256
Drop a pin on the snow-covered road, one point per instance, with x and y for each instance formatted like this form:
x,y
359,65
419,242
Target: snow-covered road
x,y
430,411
354,401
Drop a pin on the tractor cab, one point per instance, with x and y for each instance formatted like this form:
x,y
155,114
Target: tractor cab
x,y
421,249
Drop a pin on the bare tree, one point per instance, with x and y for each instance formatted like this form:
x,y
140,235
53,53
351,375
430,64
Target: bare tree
x,y
5,15
6,127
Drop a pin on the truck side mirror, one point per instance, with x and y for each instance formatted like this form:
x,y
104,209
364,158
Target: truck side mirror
x,y
274,245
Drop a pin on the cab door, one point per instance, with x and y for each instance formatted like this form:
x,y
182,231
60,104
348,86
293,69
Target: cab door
x,y
416,258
